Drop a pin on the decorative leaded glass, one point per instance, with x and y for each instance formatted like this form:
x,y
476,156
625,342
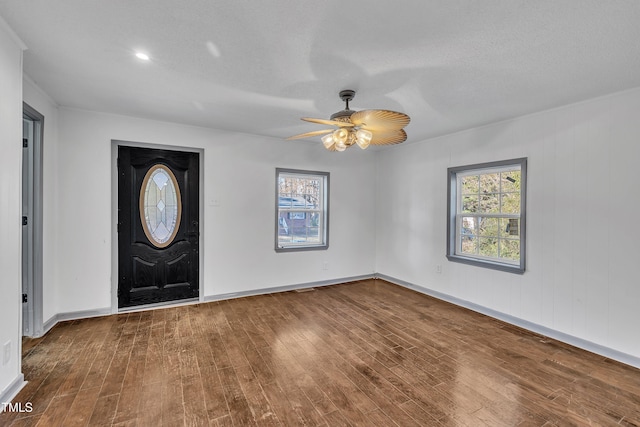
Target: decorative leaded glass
x,y
160,206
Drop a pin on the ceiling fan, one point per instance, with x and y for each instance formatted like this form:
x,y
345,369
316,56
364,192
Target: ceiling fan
x,y
376,127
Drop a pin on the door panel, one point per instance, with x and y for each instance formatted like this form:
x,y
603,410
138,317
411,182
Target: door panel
x,y
178,269
150,270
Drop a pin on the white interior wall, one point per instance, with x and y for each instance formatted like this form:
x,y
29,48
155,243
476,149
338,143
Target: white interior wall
x,y
10,210
583,238
239,208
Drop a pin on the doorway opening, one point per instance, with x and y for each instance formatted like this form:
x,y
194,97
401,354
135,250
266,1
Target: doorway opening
x,y
32,300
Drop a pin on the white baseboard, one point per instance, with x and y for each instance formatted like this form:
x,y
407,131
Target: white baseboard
x,y
277,289
73,315
525,324
12,390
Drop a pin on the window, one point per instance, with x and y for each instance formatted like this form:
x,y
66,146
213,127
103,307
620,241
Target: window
x,y
302,210
160,206
486,215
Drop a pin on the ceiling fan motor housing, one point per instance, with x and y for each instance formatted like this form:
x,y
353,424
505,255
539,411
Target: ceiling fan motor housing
x,y
342,116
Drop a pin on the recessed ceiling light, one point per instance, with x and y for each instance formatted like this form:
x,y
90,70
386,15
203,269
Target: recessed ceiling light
x,y
142,56
213,49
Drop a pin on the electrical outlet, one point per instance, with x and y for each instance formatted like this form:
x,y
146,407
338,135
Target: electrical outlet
x,y
439,269
325,265
6,353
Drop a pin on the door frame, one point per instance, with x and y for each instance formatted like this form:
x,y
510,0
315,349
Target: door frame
x,y
114,222
32,255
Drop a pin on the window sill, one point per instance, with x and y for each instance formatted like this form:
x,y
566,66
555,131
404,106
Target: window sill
x,y
509,268
301,248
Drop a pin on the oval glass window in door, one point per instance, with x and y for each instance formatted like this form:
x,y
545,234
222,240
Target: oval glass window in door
x,y
160,205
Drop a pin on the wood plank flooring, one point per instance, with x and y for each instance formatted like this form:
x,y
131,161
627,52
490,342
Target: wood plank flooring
x,y
366,353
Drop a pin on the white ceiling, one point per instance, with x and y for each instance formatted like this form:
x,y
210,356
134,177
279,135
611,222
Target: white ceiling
x,y
258,66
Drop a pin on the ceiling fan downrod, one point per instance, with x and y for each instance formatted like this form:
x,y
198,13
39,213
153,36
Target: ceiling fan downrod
x,y
346,95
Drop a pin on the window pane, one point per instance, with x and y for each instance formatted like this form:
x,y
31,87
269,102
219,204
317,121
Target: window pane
x,y
510,249
489,227
489,203
510,203
468,226
509,227
298,234
284,201
313,234
313,187
470,184
469,245
469,204
510,181
283,240
488,247
283,228
490,183
311,201
314,219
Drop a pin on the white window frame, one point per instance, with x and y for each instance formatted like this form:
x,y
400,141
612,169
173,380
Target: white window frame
x,y
322,211
454,215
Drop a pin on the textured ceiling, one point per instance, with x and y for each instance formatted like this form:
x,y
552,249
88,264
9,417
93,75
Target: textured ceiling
x,y
257,67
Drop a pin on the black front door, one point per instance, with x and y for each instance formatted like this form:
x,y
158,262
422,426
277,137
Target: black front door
x,y
158,225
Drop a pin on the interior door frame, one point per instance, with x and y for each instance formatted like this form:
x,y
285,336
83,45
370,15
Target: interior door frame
x,y
114,219
32,256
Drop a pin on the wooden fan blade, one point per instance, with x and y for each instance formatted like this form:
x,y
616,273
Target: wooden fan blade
x,y
328,122
380,120
310,134
389,138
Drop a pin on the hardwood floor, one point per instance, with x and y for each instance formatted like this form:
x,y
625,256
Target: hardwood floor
x,y
364,353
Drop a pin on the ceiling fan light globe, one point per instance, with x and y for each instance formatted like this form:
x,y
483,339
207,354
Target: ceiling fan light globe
x,y
340,147
328,141
340,136
363,138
